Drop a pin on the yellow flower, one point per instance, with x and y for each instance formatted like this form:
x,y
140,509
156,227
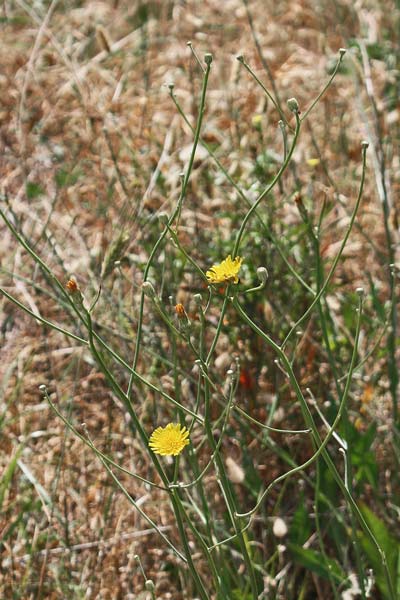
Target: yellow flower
x,y
313,162
256,120
169,440
226,271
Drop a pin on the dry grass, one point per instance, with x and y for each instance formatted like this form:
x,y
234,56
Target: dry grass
x,y
85,122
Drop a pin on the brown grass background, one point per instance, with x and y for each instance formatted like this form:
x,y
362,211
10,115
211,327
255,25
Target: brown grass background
x,y
81,81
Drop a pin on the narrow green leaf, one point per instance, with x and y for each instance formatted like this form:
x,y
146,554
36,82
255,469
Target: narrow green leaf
x,y
389,545
300,529
315,561
8,474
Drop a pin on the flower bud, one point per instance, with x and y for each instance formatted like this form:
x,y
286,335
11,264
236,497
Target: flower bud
x,y
148,289
256,121
149,585
262,275
72,286
74,291
293,105
198,299
180,310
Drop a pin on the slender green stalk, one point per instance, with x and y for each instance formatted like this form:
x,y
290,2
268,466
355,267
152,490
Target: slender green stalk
x,y
243,196
207,554
91,445
228,494
42,320
219,327
268,189
138,426
342,52
175,214
356,542
226,414
195,55
339,254
318,526
268,427
314,237
321,445
188,553
265,90
277,102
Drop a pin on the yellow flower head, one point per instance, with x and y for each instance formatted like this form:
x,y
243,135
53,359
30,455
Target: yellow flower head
x,y
226,271
256,120
169,440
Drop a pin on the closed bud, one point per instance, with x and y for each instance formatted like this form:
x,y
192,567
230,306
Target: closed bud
x,y
198,299
149,585
293,105
262,275
74,291
148,289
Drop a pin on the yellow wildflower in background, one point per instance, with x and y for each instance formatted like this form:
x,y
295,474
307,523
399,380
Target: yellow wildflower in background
x,y
313,162
226,271
169,440
256,120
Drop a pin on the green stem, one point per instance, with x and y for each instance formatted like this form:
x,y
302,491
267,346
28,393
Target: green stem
x,y
173,216
277,102
321,445
177,511
342,52
306,411
265,90
42,319
339,254
100,454
227,492
188,553
243,196
268,189
203,545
